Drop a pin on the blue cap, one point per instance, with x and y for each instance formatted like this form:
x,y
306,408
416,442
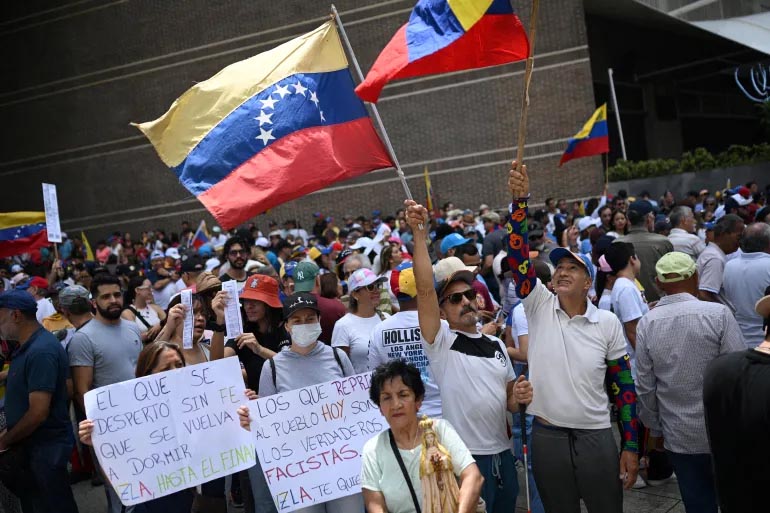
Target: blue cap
x,y
452,240
18,300
559,253
288,269
206,250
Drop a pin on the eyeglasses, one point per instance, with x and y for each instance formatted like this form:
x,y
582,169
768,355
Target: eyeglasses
x,y
457,297
236,252
371,287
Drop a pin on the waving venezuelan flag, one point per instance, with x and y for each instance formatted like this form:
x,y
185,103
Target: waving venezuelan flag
x,y
593,139
269,129
21,232
448,35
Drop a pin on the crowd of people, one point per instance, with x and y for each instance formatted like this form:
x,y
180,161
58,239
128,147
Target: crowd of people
x,y
647,315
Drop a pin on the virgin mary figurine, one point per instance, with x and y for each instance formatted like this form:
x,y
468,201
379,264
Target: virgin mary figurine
x,y
440,492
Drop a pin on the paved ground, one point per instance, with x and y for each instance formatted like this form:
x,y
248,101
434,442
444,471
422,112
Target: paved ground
x,y
658,499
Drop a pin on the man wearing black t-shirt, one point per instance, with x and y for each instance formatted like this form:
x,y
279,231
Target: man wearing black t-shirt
x,y
736,395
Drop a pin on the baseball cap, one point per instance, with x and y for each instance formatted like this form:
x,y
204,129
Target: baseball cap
x,y
618,255
535,229
740,199
641,207
156,255
317,251
450,270
16,268
262,242
298,251
192,264
287,269
304,276
677,263
493,217
274,233
364,243
18,300
299,301
207,282
402,282
260,287
206,251
35,281
173,253
362,278
586,222
559,253
19,278
452,241
216,229
73,295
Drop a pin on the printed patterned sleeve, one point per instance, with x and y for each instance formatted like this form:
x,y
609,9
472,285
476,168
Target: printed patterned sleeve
x,y
518,248
624,394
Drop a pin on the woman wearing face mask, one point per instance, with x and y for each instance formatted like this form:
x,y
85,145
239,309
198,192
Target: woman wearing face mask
x,y
351,333
307,362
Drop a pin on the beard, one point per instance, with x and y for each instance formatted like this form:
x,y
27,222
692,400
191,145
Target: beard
x,y
111,313
238,263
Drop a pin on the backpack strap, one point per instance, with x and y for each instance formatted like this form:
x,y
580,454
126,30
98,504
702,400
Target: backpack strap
x,y
139,316
339,360
272,370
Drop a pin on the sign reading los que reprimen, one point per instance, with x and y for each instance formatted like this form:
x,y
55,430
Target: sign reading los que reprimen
x,y
167,432
309,440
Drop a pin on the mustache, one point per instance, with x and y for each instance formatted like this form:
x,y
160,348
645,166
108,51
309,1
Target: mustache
x,y
468,309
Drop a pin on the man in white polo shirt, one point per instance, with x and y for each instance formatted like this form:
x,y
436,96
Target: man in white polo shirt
x,y
573,348
473,372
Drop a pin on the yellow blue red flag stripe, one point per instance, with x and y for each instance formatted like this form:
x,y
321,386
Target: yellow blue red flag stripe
x,y
269,129
448,35
22,232
593,138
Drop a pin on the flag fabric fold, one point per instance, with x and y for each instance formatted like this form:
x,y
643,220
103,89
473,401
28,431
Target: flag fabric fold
x,y
448,35
22,232
87,245
593,139
269,129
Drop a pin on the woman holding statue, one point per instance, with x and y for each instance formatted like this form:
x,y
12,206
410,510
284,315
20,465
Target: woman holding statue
x,y
416,464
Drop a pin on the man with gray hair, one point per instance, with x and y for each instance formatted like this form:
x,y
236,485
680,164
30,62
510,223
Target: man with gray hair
x,y
682,234
746,278
711,262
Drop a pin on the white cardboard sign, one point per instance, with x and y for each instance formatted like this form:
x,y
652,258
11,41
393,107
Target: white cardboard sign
x,y
309,441
160,434
52,224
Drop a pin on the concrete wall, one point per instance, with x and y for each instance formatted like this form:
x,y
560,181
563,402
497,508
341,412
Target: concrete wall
x,y
76,74
713,180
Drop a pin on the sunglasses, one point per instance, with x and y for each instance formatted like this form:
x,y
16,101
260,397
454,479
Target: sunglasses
x,y
236,252
370,288
457,297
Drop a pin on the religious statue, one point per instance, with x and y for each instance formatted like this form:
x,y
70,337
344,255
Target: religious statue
x,y
440,492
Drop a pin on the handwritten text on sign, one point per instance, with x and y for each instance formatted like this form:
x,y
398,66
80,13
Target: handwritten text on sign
x,y
160,434
309,440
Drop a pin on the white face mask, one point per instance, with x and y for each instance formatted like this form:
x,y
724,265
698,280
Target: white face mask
x,y
305,335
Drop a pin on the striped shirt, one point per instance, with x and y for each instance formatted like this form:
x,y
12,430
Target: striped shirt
x,y
675,342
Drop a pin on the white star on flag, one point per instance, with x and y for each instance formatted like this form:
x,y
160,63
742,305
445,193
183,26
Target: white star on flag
x,y
265,135
314,98
322,116
269,103
264,118
282,90
299,88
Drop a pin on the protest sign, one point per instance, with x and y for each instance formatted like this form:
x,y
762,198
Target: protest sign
x,y
51,204
170,431
309,440
233,321
189,324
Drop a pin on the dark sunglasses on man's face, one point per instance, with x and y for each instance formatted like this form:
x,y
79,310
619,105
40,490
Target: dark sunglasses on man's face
x,y
236,252
457,297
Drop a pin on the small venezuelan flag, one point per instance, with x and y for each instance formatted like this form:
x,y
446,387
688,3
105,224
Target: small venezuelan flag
x,y
448,35
22,232
593,139
201,236
269,129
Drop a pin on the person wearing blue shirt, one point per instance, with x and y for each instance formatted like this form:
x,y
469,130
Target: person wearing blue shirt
x,y
35,450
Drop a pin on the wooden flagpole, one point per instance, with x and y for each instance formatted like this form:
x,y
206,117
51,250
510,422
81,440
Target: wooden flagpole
x,y
522,134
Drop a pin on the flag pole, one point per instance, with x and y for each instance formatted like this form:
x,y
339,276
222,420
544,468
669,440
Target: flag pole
x,y
378,119
527,79
617,112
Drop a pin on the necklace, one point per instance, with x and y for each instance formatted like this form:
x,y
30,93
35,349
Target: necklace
x,y
414,442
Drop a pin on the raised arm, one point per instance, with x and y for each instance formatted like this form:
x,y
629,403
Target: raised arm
x,y
518,242
427,300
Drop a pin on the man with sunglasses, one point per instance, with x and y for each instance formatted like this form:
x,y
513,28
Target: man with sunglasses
x,y
237,253
574,349
472,370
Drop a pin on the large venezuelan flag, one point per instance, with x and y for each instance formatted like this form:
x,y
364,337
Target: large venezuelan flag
x,y
22,232
593,139
269,129
448,35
